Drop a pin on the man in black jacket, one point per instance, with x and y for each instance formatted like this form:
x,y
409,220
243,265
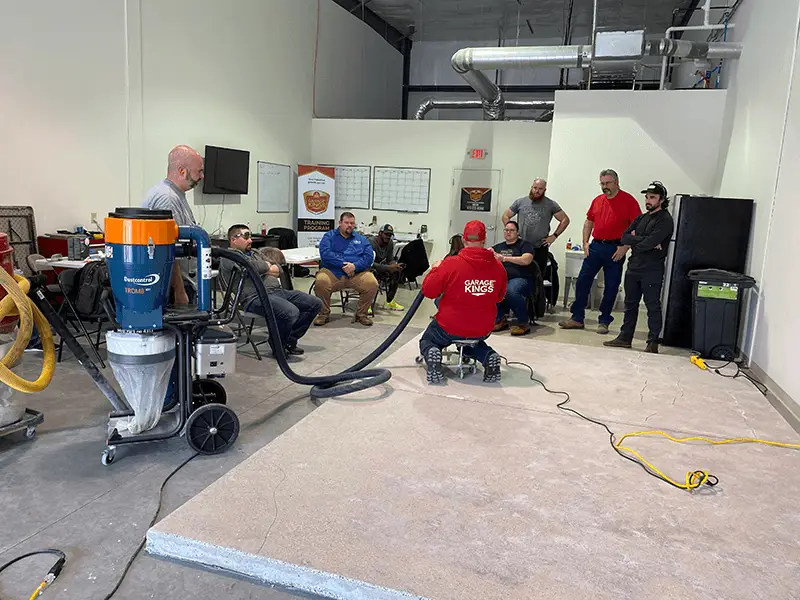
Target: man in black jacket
x,y
387,270
648,238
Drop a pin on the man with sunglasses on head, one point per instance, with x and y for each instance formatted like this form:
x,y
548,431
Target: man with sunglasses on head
x,y
184,173
648,236
294,311
386,267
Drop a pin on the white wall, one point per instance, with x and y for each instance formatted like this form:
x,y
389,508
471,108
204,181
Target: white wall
x,y
520,150
673,137
63,107
777,327
99,91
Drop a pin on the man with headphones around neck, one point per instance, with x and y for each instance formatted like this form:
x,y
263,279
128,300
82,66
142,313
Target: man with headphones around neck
x,y
648,236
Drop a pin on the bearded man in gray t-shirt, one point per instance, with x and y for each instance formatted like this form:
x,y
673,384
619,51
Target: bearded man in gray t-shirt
x,y
534,214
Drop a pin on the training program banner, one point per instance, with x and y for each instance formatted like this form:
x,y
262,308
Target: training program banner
x,y
316,203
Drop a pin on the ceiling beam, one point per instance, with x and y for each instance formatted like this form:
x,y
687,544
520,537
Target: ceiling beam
x,y
358,8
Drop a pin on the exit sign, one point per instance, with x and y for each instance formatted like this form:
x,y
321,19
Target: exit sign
x,y
478,153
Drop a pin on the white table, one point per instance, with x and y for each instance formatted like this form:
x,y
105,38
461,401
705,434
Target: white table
x,y
299,256
62,263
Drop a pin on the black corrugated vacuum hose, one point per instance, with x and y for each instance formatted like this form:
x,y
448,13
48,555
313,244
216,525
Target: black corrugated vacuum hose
x,y
348,381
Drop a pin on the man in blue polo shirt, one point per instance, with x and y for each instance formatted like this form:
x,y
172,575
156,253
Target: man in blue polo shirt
x,y
345,260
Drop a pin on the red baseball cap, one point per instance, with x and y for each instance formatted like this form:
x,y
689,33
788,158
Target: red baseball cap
x,y
475,231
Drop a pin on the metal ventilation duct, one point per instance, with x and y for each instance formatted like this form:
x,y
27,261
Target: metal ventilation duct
x,y
433,103
610,48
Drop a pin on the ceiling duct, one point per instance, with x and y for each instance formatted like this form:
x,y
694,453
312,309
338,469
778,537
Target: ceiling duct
x,y
433,103
612,51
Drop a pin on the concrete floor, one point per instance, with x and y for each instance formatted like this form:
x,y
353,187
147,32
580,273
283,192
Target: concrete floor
x,y
55,492
487,492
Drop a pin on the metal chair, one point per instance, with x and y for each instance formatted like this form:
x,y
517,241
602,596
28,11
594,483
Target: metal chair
x,y
465,364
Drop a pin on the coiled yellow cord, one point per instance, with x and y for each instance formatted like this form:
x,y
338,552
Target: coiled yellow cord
x,y
18,303
694,479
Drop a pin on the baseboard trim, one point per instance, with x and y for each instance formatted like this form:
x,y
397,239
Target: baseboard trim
x,y
780,400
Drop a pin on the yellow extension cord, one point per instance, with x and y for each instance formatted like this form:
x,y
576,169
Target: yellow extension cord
x,y
18,303
694,479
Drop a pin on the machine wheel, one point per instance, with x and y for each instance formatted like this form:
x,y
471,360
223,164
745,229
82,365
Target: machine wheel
x,y
207,391
419,359
212,428
109,454
473,369
30,433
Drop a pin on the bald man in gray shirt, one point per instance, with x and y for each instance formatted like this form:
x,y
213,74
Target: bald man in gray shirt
x,y
534,213
184,172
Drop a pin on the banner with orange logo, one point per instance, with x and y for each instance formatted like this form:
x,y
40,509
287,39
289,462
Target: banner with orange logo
x,y
316,206
478,199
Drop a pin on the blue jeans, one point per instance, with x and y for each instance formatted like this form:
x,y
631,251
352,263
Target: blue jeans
x,y
599,258
294,311
437,337
517,294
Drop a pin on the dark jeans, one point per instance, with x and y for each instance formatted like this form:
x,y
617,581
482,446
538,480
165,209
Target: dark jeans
x,y
391,280
599,258
517,294
648,284
294,311
540,256
437,337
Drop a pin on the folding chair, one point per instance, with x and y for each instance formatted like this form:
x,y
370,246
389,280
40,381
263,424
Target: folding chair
x,y
233,291
67,282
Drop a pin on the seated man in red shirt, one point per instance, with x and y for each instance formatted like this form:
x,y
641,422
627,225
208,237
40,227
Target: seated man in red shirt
x,y
469,285
607,219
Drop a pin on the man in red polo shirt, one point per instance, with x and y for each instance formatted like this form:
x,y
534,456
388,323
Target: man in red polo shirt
x,y
469,285
607,219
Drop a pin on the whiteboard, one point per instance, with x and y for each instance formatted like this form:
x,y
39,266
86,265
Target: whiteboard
x,y
274,187
352,185
401,188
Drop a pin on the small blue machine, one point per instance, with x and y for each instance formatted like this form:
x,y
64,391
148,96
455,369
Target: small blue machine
x,y
165,358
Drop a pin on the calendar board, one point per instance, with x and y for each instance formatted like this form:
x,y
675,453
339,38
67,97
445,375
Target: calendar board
x,y
352,186
402,189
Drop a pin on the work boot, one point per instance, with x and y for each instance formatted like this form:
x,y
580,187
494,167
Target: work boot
x,y
433,358
363,319
501,325
602,329
617,342
294,350
491,368
571,324
322,320
652,347
520,329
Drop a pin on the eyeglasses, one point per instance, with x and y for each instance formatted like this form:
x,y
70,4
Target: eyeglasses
x,y
244,234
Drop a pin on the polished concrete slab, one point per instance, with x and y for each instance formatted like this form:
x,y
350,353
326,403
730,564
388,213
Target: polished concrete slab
x,y
485,491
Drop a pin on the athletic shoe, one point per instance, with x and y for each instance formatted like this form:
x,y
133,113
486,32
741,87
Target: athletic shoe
x,y
491,368
602,329
433,358
394,306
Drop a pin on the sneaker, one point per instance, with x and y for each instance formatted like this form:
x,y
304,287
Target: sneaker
x,y
321,320
363,319
501,325
491,368
394,306
617,343
520,329
370,313
571,324
602,329
652,347
433,358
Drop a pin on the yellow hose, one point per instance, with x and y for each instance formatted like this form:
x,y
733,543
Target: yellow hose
x,y
18,303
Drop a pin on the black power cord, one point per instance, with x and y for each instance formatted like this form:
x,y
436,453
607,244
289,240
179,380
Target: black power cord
x,y
739,373
612,437
52,574
152,522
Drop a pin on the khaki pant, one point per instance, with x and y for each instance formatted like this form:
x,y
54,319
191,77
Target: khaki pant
x,y
364,283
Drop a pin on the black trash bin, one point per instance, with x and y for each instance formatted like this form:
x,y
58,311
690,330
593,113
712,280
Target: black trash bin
x,y
716,310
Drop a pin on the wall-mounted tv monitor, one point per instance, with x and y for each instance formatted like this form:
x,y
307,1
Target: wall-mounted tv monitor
x,y
227,171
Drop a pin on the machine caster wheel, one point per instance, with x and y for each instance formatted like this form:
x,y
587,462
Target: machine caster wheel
x,y
108,456
473,369
207,391
419,359
30,433
212,428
